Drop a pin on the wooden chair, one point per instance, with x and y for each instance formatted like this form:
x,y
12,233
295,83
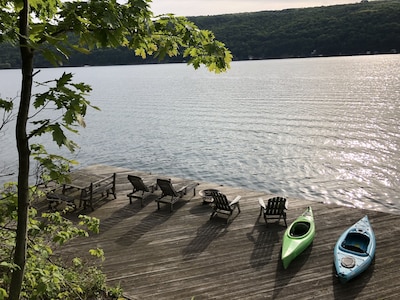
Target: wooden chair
x,y
275,209
139,186
168,190
221,205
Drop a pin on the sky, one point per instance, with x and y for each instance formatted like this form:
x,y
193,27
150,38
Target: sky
x,y
190,8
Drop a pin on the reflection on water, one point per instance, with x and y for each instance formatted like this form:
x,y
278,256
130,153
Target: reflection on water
x,y
323,129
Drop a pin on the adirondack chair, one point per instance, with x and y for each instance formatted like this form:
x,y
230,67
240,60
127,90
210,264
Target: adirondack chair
x,y
275,209
139,186
221,205
168,190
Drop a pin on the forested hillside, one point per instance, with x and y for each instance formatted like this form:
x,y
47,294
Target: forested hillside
x,y
362,28
368,27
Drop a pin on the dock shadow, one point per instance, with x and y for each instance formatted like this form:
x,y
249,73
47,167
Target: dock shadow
x,y
124,212
351,289
205,235
201,209
284,276
151,221
265,239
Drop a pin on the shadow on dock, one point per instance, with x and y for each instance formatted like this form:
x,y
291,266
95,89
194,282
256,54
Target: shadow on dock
x,y
156,254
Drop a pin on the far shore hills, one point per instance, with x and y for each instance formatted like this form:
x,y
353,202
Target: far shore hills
x,y
367,27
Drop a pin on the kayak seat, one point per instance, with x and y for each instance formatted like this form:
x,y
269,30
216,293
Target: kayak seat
x,y
275,209
356,242
299,229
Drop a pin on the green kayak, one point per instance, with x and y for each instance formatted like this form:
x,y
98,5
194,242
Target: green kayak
x,y
299,235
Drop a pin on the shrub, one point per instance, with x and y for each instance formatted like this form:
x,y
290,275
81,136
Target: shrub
x,y
48,274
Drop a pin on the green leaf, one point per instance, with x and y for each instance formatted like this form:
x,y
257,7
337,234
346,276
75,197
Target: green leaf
x,y
52,57
97,252
77,262
3,294
63,80
58,134
80,49
8,265
6,105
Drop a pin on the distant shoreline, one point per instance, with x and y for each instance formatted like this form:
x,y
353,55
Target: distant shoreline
x,y
184,62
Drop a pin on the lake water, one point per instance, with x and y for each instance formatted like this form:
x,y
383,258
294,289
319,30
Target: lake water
x,y
323,129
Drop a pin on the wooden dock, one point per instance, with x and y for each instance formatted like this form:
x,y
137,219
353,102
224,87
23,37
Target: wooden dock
x,y
156,254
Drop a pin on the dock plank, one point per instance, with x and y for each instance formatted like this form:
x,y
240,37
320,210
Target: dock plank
x,y
156,254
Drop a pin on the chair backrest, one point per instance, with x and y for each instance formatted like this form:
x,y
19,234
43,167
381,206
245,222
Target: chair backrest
x,y
167,188
220,201
276,206
137,183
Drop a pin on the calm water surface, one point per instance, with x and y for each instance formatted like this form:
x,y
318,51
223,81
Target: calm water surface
x,y
323,129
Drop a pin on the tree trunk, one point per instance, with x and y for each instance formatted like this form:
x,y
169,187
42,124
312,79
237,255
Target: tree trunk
x,y
23,155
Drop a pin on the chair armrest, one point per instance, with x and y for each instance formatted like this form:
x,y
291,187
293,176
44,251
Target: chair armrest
x,y
236,200
182,191
262,203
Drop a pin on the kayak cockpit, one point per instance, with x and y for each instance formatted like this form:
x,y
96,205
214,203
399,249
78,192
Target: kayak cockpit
x,y
299,229
356,242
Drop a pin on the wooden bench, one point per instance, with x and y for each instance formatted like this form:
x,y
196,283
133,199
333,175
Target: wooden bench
x,y
103,188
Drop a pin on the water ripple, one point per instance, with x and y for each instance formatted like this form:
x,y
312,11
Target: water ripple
x,y
324,129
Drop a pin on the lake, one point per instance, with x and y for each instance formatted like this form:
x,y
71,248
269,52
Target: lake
x,y
323,129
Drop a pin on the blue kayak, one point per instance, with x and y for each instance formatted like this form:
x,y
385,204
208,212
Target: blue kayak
x,y
354,250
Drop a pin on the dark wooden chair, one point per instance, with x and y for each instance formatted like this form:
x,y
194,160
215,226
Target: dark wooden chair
x,y
139,186
275,209
170,194
222,205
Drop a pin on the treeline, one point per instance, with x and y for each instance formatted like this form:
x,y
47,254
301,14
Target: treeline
x,y
367,27
351,29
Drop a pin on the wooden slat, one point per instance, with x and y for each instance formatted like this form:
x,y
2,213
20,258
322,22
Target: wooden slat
x,y
161,255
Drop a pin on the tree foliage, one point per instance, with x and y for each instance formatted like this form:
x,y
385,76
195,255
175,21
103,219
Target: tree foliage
x,y
86,27
44,27
48,275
